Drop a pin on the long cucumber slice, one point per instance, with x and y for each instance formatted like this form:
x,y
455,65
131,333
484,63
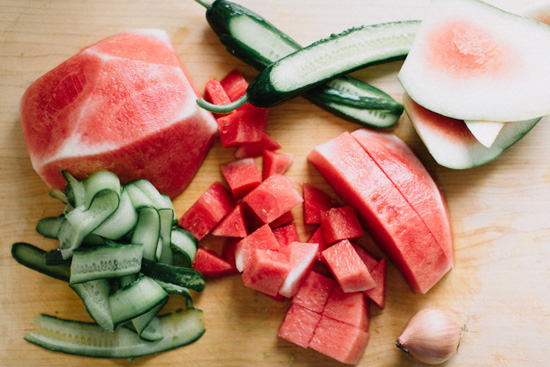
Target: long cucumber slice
x,y
34,258
95,296
73,337
183,277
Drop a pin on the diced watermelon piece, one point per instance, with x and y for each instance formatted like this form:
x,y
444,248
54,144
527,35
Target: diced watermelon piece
x,y
228,249
256,149
216,94
284,219
316,202
318,237
241,175
262,238
211,265
347,267
234,84
286,234
340,224
273,197
301,257
233,225
340,341
242,126
275,163
266,271
210,208
391,220
378,294
299,325
351,308
314,292
367,258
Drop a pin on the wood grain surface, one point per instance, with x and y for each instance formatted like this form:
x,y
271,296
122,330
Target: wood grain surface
x,y
499,288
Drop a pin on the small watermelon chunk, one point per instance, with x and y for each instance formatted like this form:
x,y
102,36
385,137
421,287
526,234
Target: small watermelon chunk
x,y
314,292
262,238
283,220
299,325
266,271
340,341
340,224
301,257
275,163
367,258
211,265
233,225
316,202
242,126
256,149
318,237
234,84
347,267
241,175
286,234
125,104
215,93
377,294
273,197
210,208
351,308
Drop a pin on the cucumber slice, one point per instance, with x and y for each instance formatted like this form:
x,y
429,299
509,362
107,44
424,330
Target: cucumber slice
x,y
183,277
147,231
49,226
34,258
105,262
121,221
185,243
95,296
473,61
178,329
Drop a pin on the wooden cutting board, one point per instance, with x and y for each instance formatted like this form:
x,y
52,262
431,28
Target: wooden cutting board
x,y
498,289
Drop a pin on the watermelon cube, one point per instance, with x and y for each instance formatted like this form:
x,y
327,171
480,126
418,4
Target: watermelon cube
x,y
216,94
299,325
275,162
338,340
266,271
301,257
256,149
233,225
241,175
318,237
273,197
211,265
377,294
316,202
351,308
286,234
234,84
347,267
367,258
209,209
284,219
314,292
242,126
262,238
340,224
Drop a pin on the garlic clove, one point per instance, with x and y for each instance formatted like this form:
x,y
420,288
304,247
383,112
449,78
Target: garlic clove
x,y
430,336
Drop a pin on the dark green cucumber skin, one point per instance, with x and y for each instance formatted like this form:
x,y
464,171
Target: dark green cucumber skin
x,y
61,271
219,15
184,277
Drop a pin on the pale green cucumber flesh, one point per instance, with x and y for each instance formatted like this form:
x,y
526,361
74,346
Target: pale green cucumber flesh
x,y
95,296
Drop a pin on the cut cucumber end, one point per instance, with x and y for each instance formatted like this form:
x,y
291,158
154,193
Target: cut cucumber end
x,y
228,108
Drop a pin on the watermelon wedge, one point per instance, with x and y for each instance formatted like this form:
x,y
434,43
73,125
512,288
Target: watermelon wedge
x,y
125,104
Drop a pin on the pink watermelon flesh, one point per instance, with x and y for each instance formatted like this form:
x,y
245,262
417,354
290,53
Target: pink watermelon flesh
x,y
350,308
125,104
234,84
233,225
367,258
340,224
211,265
340,341
314,292
316,202
412,179
318,237
301,257
377,294
283,220
266,271
392,222
286,234
347,267
299,325
275,163
242,176
262,238
273,197
256,149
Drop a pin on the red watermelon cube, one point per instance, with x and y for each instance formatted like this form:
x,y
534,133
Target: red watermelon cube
x,y
233,225
256,149
266,271
284,219
234,84
262,238
318,237
286,234
242,126
347,267
275,163
314,292
210,208
215,93
340,341
377,294
367,258
340,224
301,257
241,175
211,265
351,308
299,325
316,202
273,197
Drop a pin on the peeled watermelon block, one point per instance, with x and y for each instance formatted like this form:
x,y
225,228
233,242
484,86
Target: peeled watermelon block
x,y
125,104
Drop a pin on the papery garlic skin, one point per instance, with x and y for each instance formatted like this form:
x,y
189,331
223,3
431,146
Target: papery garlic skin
x,y
430,336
